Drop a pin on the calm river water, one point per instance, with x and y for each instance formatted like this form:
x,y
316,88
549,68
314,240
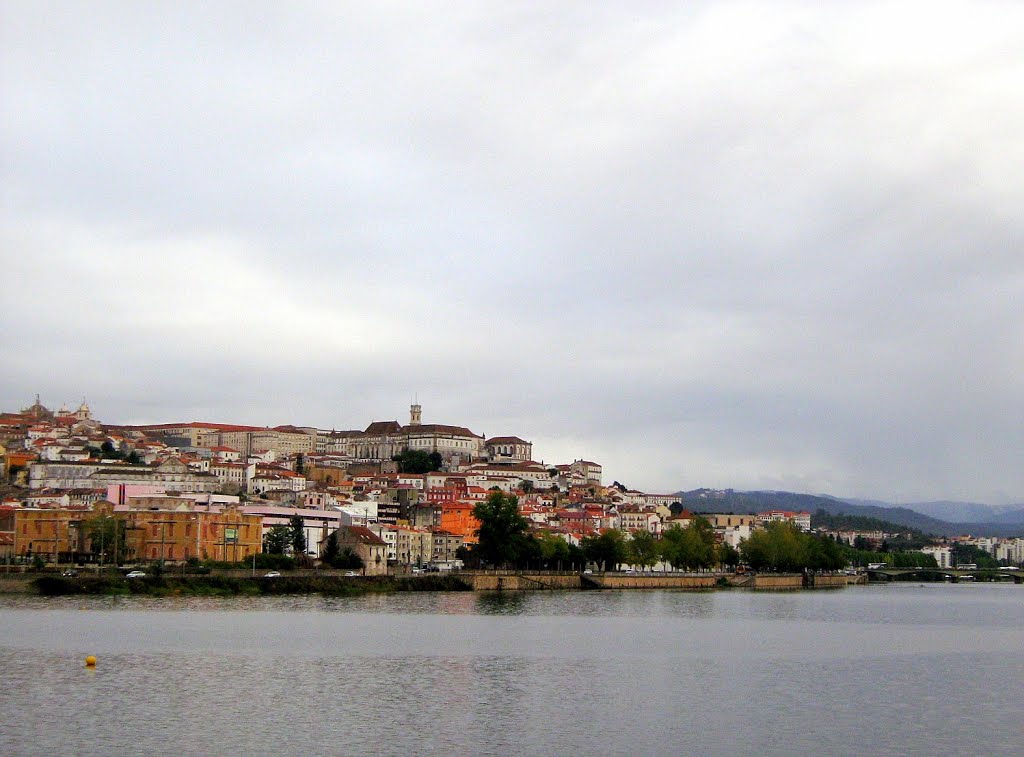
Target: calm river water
x,y
887,670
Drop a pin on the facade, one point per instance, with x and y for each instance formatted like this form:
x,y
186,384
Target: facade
x,y
382,440
152,533
802,519
229,535
590,472
171,474
370,548
457,518
943,555
508,449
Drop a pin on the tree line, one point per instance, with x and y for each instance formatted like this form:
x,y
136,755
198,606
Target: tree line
x,y
505,540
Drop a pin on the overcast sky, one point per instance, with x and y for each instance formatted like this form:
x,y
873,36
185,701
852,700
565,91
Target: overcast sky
x,y
748,245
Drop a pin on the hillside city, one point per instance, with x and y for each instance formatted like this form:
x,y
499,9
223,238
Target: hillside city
x,y
389,498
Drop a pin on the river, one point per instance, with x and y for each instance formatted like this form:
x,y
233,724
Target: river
x,y
877,670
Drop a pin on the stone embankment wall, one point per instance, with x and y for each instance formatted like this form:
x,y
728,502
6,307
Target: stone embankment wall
x,y
638,581
776,582
830,581
530,581
15,584
513,581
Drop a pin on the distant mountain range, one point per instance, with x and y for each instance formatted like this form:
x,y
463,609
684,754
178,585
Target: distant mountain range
x,y
936,518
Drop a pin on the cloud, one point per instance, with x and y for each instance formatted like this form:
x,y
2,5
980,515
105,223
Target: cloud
x,y
725,244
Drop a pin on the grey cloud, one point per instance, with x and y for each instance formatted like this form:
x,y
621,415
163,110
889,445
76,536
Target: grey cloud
x,y
725,245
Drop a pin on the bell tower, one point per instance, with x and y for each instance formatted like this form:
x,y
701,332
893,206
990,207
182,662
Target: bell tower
x,y
414,415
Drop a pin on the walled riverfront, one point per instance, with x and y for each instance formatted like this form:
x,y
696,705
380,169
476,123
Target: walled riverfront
x,y
237,582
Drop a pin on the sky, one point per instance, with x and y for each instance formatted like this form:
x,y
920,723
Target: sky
x,y
727,244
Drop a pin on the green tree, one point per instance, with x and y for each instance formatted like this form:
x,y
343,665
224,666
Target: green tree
x,y
690,548
275,542
607,550
436,461
417,461
106,535
331,548
643,549
824,554
503,533
347,558
969,553
554,550
300,464
297,535
778,546
728,555
108,450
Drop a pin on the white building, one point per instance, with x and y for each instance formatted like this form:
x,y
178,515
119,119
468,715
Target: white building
x,y
943,555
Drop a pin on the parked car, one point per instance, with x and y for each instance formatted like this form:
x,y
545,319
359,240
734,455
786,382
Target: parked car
x,y
351,573
272,574
136,574
70,573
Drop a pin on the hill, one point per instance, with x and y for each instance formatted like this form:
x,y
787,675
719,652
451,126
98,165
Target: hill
x,y
728,500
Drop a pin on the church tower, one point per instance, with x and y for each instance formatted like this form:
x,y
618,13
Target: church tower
x,y
414,415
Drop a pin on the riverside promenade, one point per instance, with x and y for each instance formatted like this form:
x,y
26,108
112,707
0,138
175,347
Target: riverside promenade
x,y
337,582
525,580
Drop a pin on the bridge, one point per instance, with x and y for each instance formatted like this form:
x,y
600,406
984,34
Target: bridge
x,y
953,574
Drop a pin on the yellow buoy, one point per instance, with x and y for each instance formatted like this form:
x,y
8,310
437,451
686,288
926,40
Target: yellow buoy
x,y
90,662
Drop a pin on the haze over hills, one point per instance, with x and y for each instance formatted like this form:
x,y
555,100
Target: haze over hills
x,y
960,512
992,520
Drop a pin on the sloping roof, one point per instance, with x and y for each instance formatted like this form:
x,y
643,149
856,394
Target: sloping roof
x,y
507,440
383,427
438,428
363,535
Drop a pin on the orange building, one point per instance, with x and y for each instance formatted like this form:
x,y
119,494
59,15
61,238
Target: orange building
x,y
62,534
53,534
178,535
457,518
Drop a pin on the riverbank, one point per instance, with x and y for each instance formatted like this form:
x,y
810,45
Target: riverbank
x,y
230,583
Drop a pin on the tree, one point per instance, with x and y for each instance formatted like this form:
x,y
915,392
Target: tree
x,y
690,548
606,550
348,559
783,546
275,542
297,535
503,533
331,548
554,550
436,461
107,538
643,549
779,546
300,464
728,555
417,461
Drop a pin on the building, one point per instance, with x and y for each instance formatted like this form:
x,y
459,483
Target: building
x,y
382,440
369,547
589,471
172,474
943,555
801,519
508,449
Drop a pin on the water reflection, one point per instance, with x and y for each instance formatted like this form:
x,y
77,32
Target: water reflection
x,y
501,603
517,673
